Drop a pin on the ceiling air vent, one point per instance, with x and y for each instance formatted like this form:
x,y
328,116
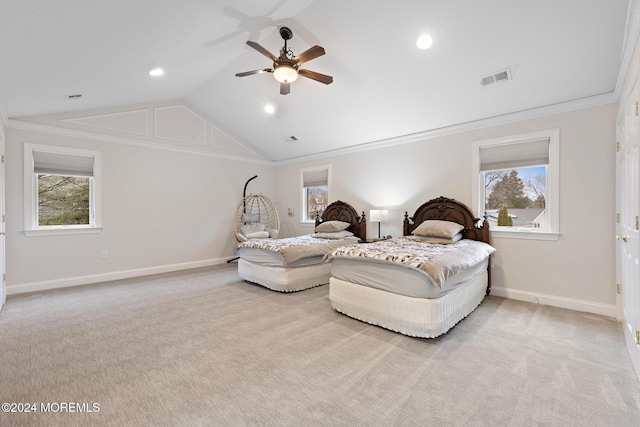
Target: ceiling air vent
x,y
500,76
291,138
73,97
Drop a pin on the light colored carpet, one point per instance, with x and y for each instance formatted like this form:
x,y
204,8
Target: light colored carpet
x,y
203,347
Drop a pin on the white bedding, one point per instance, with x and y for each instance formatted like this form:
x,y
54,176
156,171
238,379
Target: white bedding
x,y
400,280
288,265
285,279
415,317
293,249
274,259
409,286
439,262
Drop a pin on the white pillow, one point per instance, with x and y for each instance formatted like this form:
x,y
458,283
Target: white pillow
x,y
252,227
441,240
333,234
332,226
250,217
438,228
258,235
273,233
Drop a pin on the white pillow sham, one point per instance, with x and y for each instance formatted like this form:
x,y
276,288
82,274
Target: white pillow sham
x,y
438,228
332,226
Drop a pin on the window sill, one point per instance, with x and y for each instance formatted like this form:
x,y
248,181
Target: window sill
x,y
524,234
62,231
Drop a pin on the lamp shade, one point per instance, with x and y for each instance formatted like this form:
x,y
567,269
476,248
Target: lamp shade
x,y
285,74
379,215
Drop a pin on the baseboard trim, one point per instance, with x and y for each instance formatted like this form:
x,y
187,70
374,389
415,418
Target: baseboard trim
x,y
556,301
106,277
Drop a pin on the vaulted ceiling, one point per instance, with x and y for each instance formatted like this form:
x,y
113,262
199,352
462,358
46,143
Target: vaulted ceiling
x,y
384,87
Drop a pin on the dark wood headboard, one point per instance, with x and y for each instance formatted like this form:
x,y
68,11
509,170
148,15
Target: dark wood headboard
x,y
446,209
341,211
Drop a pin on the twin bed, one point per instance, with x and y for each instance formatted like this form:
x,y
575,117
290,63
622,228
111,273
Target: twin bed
x,y
421,284
296,263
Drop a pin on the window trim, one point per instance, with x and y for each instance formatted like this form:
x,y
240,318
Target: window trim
x,y
303,207
553,184
31,227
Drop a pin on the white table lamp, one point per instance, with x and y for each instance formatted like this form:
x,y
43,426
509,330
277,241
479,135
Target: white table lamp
x,y
379,215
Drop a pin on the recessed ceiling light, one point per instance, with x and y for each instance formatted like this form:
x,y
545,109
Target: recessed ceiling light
x,y
424,41
156,72
269,108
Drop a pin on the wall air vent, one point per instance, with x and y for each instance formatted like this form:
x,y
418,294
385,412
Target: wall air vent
x,y
73,97
500,76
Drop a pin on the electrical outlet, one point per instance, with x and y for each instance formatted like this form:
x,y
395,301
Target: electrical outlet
x,y
104,254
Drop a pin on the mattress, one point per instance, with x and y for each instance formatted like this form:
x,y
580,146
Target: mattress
x,y
399,279
274,259
285,279
291,251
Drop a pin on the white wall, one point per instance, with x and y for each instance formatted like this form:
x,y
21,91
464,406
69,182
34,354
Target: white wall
x,y
167,210
577,271
163,210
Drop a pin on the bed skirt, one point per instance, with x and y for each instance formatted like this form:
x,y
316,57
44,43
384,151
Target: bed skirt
x,y
416,317
285,279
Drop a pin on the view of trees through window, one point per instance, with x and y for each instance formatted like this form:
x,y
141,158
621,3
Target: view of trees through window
x,y
63,200
522,191
316,201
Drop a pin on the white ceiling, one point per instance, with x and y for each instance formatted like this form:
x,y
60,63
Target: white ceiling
x,y
384,87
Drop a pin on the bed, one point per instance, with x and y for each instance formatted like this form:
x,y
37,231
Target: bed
x,y
421,284
294,264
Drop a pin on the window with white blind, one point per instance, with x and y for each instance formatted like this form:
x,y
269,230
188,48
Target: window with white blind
x,y
62,190
315,192
516,184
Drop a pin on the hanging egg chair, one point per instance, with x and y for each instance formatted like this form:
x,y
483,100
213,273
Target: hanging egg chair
x,y
256,218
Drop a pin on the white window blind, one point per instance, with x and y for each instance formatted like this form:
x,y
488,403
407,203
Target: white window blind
x,y
516,155
315,178
62,164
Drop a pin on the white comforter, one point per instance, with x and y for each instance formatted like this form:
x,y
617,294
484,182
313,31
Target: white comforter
x,y
296,248
437,261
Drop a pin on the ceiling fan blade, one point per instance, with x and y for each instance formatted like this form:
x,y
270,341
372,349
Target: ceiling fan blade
x,y
322,78
248,73
262,50
284,88
309,54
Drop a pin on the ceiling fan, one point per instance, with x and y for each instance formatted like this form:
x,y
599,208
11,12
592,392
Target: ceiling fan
x,y
286,66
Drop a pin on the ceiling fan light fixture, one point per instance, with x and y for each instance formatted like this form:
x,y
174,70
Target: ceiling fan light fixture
x,y
285,74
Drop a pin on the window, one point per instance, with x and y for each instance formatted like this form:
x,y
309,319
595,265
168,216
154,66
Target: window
x,y
315,192
516,184
62,189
